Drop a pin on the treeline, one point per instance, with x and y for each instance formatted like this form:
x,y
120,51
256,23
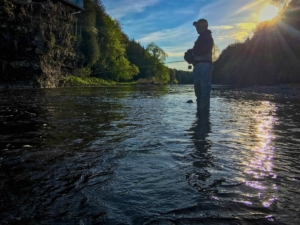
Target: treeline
x,y
271,56
105,51
180,76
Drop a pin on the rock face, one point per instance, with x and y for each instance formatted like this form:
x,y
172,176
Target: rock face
x,y
36,42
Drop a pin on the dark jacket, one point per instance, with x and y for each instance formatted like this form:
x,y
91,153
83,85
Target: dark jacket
x,y
204,44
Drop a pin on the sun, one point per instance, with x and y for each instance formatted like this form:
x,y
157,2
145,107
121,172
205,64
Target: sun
x,y
268,13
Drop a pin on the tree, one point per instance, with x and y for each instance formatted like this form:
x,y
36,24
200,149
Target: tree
x,y
138,56
156,52
88,46
172,74
103,44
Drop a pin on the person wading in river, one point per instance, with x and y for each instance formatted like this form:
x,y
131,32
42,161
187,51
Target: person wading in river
x,y
201,58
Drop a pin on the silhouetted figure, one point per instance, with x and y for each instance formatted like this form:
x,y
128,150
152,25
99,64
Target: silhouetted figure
x,y
201,57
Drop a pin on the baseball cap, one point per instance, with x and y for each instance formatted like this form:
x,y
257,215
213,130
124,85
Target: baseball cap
x,y
200,21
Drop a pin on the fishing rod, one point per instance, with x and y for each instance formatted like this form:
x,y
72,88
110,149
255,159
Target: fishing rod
x,y
175,61
142,66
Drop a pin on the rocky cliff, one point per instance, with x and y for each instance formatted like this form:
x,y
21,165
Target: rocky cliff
x,y
36,42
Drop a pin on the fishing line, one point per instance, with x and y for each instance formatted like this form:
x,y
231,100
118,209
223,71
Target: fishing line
x,y
108,71
175,61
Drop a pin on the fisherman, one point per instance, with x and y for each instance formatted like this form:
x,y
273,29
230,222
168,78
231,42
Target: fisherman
x,y
201,58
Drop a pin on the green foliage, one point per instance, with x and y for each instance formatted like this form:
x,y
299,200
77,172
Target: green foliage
x,y
271,56
89,46
106,52
138,56
87,81
149,61
156,52
92,81
172,74
162,74
156,57
103,44
84,72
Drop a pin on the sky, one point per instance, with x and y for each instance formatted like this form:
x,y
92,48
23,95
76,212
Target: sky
x,y
169,23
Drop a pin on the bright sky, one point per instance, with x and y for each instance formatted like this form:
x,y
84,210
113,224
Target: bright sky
x,y
169,23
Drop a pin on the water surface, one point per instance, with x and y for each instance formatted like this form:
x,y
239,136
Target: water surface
x,y
142,155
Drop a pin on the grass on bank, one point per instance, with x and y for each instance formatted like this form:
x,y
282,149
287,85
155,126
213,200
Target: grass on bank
x,y
91,81
94,81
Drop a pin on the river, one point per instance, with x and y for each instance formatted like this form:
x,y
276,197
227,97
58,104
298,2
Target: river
x,y
142,155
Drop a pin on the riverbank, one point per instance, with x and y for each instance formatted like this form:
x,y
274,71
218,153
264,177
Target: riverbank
x,y
91,81
94,81
72,81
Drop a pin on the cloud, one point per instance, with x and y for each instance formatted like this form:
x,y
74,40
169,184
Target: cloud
x,y
174,42
250,6
184,11
235,21
237,32
246,26
169,35
141,26
222,27
240,36
118,9
175,54
176,51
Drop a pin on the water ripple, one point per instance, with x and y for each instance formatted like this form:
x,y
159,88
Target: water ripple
x,y
142,155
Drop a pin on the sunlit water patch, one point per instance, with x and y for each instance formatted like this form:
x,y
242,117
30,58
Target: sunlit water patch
x,y
142,155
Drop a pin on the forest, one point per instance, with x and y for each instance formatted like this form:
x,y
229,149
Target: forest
x,y
106,52
271,56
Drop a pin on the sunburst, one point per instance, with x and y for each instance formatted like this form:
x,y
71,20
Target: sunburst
x,y
268,13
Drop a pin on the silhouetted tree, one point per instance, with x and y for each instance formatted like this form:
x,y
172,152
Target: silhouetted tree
x,y
271,56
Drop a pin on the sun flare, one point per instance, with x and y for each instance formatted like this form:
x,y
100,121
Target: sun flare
x,y
268,13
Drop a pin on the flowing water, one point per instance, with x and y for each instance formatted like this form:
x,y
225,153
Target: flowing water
x,y
142,155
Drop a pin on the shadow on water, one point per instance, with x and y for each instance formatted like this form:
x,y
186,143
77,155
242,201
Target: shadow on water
x,y
51,156
201,157
22,119
59,152
199,176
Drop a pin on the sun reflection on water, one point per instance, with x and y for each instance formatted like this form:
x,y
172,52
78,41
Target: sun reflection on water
x,y
260,165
